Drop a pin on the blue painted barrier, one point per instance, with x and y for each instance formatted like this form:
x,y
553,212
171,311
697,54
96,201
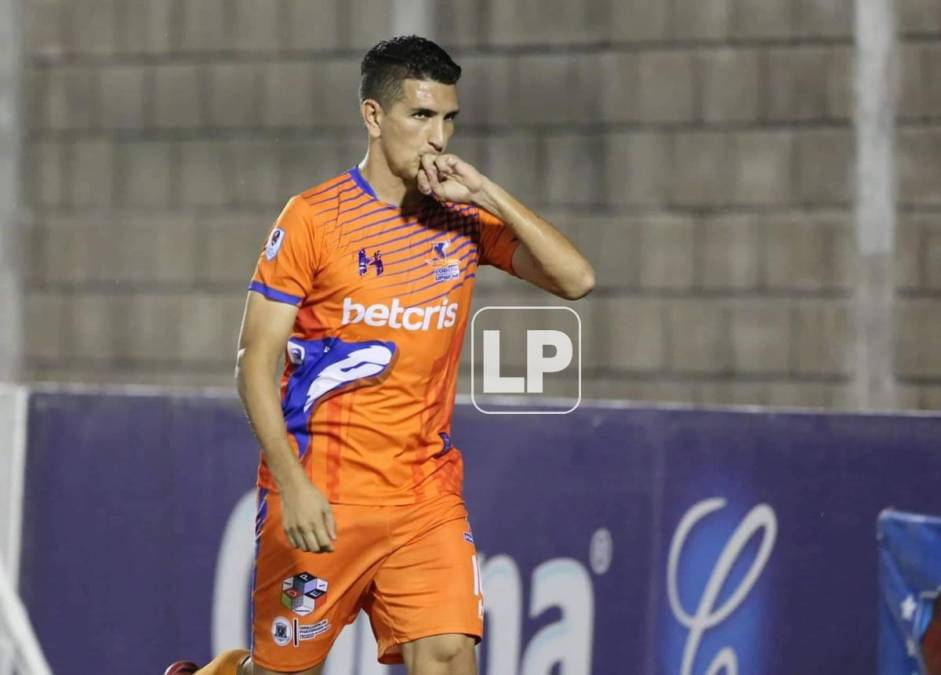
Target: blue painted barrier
x,y
615,540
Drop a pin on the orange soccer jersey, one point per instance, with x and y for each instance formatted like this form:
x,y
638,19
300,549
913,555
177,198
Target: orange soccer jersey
x,y
371,366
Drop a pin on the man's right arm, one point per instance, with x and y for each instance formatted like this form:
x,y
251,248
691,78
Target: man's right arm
x,y
266,327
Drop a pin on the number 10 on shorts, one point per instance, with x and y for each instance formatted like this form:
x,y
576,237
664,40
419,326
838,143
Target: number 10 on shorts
x,y
526,360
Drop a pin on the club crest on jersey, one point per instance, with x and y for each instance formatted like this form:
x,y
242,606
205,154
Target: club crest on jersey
x,y
274,243
444,268
365,262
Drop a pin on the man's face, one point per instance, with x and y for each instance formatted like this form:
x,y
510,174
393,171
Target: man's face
x,y
421,121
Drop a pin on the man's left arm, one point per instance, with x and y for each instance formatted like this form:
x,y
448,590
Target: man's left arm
x,y
545,256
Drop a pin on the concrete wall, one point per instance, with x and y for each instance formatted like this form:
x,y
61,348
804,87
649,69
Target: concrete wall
x,y
699,151
10,198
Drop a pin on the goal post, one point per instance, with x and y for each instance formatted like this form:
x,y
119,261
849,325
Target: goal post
x,y
17,628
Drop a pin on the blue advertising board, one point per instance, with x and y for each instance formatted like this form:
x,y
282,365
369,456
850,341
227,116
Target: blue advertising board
x,y
613,540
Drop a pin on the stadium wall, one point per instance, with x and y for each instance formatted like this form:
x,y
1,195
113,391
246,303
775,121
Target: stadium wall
x,y
11,218
601,534
699,151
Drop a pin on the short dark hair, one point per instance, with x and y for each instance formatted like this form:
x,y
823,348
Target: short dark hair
x,y
404,57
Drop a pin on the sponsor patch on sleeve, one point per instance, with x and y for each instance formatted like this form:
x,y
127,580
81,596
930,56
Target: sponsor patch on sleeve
x,y
274,243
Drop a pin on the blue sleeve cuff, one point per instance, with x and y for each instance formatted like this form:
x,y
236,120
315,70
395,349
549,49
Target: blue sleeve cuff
x,y
274,294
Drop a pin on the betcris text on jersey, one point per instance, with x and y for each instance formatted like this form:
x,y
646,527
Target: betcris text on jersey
x,y
397,316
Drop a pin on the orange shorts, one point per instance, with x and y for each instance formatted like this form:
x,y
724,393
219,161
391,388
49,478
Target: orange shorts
x,y
413,569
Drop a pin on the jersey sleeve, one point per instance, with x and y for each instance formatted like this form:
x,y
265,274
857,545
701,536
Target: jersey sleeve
x,y
286,266
497,242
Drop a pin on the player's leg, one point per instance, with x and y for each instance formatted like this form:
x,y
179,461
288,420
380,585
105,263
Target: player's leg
x,y
250,669
300,600
426,604
234,662
450,654
226,663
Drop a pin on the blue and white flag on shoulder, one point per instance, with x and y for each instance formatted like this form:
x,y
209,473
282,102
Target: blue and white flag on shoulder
x,y
909,585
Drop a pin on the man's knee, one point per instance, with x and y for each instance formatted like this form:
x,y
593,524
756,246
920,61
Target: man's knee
x,y
438,649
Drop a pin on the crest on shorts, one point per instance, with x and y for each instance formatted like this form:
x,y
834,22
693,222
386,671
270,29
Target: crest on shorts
x,y
300,592
285,632
281,631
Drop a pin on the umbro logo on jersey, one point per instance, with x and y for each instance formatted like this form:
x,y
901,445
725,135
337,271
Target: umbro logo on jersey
x,y
365,262
396,316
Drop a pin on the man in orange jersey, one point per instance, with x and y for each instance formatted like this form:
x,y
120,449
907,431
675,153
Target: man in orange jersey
x,y
365,284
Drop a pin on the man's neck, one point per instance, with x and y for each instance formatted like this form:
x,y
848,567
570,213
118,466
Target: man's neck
x,y
388,187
